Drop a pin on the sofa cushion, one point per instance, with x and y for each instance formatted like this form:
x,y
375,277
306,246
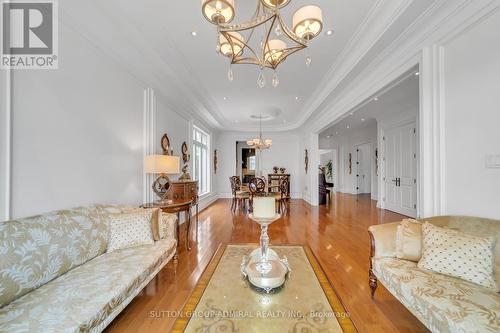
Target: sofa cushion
x,y
167,225
130,229
83,298
38,249
443,303
409,240
475,226
458,254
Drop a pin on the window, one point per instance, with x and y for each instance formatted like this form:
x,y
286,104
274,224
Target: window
x,y
201,162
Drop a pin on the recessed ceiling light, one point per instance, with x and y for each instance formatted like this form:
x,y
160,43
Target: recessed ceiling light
x,y
225,98
352,113
375,98
329,32
297,98
194,33
417,73
362,119
336,132
348,126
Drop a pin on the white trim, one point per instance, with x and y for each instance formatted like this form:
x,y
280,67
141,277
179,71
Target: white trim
x,y
149,139
432,132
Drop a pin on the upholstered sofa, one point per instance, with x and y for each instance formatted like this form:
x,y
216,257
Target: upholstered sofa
x,y
55,274
441,302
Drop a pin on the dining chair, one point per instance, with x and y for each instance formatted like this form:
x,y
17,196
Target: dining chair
x,y
257,187
239,197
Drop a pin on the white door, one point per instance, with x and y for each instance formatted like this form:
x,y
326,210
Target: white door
x,y
401,170
363,170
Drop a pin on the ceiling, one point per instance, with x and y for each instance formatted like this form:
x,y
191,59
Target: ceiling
x,y
165,28
153,40
401,95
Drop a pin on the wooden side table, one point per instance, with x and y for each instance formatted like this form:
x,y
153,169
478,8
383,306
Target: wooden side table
x,y
176,207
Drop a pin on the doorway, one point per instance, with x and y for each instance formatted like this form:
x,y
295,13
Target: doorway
x,y
246,162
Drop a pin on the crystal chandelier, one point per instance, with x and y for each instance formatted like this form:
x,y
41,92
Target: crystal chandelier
x,y
259,143
243,44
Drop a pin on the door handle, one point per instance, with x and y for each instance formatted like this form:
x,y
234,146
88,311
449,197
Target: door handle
x,y
398,182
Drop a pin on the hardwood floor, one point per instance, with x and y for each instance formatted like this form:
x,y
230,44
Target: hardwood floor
x,y
336,233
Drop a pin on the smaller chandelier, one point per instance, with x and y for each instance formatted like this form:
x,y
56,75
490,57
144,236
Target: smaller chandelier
x,y
259,143
265,39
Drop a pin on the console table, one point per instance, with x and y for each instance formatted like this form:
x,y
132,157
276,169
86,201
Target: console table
x,y
273,181
184,190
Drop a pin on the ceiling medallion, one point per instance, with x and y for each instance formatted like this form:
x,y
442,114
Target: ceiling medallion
x,y
265,40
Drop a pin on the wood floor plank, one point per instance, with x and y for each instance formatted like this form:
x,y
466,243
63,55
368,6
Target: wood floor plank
x,y
337,234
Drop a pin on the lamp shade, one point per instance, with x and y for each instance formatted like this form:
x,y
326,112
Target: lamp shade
x,y
308,21
218,11
225,45
275,3
274,50
158,164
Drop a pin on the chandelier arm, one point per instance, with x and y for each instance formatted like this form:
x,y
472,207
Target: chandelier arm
x,y
266,42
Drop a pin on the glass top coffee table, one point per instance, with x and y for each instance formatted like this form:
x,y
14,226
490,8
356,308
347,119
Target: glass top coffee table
x,y
223,301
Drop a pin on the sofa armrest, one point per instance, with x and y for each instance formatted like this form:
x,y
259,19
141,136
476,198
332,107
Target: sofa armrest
x,y
168,226
383,240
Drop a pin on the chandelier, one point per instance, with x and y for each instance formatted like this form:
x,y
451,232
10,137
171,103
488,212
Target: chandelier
x,y
264,40
259,143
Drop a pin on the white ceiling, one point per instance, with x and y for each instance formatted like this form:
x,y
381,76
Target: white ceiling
x,y
152,39
402,95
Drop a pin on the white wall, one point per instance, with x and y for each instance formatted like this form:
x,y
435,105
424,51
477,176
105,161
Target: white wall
x,y
284,152
4,135
472,120
78,131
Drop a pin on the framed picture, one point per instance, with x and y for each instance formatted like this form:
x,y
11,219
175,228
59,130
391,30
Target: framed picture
x,y
165,144
306,160
185,153
215,161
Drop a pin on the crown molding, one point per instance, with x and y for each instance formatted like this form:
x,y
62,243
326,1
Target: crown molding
x,y
439,23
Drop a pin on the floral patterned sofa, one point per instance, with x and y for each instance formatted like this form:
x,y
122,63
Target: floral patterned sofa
x,y
55,274
442,303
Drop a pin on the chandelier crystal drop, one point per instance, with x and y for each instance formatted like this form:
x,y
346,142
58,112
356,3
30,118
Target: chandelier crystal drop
x,y
259,143
230,74
265,39
261,80
276,80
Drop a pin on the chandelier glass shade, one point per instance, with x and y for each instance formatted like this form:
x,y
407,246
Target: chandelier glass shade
x,y
265,40
228,49
308,22
218,11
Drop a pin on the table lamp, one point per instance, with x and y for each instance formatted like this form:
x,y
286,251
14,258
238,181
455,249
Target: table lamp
x,y
161,165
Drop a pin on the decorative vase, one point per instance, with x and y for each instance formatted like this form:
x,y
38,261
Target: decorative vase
x,y
282,170
275,169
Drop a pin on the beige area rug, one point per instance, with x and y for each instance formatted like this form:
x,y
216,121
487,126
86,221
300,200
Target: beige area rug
x,y
223,301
